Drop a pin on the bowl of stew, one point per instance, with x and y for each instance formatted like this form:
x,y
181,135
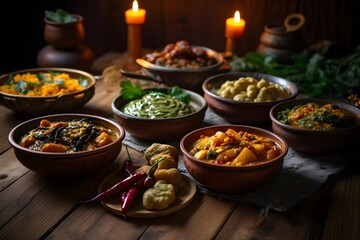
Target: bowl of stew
x,y
179,64
66,145
157,116
317,125
233,158
42,91
246,97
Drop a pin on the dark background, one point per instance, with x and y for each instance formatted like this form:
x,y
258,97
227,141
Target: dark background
x,y
201,22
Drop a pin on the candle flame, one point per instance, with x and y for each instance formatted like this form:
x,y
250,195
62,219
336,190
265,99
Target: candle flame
x,y
135,6
237,16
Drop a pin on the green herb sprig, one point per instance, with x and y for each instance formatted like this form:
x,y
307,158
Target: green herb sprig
x,y
60,16
131,92
315,75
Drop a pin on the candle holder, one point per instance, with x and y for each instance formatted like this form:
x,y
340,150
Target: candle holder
x,y
231,45
134,44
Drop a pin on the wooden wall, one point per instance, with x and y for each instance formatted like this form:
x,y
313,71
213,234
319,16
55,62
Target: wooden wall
x,y
201,22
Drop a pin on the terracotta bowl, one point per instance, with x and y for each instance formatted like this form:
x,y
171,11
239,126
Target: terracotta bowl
x,y
187,78
232,179
36,106
66,164
161,130
241,112
316,141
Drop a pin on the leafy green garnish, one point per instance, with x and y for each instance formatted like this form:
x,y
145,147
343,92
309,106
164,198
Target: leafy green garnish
x,y
132,92
21,87
60,16
314,74
83,82
10,80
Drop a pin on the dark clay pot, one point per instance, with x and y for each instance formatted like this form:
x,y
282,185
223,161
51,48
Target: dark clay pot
x,y
64,35
279,43
80,57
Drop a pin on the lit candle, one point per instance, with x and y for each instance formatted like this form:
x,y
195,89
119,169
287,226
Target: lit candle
x,y
234,29
135,15
235,26
134,18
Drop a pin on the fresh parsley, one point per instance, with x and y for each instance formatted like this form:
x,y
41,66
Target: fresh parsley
x,y
131,92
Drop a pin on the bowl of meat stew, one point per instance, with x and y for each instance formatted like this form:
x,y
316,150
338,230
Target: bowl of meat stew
x,y
65,145
179,64
317,126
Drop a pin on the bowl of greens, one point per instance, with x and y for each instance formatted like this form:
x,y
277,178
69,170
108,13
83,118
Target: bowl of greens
x,y
158,114
317,125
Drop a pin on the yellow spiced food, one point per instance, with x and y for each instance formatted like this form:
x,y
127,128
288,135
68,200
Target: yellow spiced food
x,y
42,84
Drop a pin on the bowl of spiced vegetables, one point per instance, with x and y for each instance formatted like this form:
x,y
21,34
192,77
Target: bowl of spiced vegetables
x,y
65,145
179,64
317,125
233,158
41,91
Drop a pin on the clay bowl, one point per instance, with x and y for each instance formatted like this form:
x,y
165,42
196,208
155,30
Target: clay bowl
x,y
161,130
232,179
241,112
36,106
187,78
66,164
316,141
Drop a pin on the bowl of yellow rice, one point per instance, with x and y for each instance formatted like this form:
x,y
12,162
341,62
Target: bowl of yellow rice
x,y
41,91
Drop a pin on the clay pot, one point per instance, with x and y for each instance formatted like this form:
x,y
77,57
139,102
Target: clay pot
x,y
80,57
64,35
280,43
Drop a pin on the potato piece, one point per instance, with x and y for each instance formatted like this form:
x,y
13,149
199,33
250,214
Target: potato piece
x,y
201,154
202,143
45,123
103,139
228,155
27,141
53,147
246,156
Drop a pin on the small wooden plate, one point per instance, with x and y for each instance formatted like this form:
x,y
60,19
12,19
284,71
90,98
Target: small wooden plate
x,y
113,204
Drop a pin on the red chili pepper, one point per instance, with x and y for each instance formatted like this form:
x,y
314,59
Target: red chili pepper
x,y
130,196
150,180
123,196
127,166
118,187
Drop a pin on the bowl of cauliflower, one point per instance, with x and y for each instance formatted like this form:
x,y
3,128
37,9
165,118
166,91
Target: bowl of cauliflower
x,y
246,97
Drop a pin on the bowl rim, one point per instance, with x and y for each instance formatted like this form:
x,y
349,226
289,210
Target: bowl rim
x,y
192,94
210,93
150,66
72,155
293,102
229,168
55,69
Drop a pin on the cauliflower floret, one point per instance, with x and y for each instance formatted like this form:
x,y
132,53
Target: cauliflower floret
x,y
242,83
242,97
252,91
266,94
262,83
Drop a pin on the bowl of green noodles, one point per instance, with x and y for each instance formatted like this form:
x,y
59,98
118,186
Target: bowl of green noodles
x,y
159,114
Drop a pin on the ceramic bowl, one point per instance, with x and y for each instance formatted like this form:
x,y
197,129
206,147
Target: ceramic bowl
x,y
232,179
187,78
316,141
36,106
66,164
161,130
241,112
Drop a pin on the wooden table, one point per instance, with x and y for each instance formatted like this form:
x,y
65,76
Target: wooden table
x,y
37,207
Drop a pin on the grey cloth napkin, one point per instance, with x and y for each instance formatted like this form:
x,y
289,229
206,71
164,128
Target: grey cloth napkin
x,y
301,176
